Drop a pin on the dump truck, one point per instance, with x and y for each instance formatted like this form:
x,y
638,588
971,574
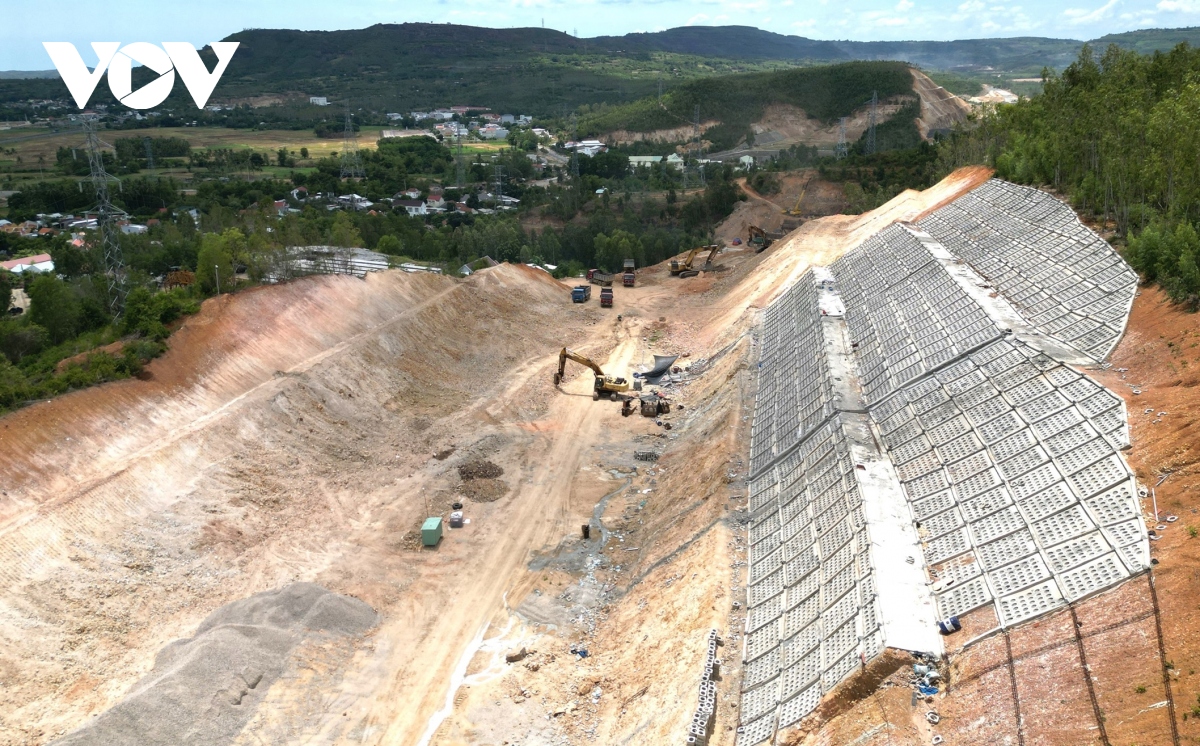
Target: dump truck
x,y
603,279
581,293
606,297
604,385
431,531
684,268
630,275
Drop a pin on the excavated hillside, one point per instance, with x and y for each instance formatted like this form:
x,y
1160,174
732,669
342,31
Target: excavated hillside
x,y
301,434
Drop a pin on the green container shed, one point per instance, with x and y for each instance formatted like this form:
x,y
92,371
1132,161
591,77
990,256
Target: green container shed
x,y
431,531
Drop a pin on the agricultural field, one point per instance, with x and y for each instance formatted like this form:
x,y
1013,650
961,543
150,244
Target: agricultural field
x,y
28,154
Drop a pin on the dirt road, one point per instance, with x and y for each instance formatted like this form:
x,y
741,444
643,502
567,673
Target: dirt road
x,y
445,612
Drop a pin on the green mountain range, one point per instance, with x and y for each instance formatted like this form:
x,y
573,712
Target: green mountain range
x,y
400,67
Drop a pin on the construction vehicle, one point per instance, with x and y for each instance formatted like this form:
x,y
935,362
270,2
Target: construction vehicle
x,y
761,240
606,297
684,268
795,211
596,277
606,386
630,276
581,293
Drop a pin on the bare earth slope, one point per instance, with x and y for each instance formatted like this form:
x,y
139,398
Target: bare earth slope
x,y
302,432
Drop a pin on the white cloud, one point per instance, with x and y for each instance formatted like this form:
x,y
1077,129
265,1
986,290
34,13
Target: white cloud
x,y
1179,6
972,6
891,22
904,5
805,24
700,19
1080,16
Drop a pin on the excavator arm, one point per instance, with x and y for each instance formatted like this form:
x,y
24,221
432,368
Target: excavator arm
x,y
716,249
566,355
678,266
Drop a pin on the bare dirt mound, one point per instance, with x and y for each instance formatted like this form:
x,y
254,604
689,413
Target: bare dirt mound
x,y
940,109
203,690
286,435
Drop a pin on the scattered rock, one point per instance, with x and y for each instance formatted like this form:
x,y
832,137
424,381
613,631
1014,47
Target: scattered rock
x,y
516,656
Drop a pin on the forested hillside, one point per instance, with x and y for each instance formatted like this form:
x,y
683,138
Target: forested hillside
x,y
825,93
540,71
1119,133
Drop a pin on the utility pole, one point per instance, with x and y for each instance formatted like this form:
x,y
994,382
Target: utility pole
x,y
872,118
106,220
352,167
842,149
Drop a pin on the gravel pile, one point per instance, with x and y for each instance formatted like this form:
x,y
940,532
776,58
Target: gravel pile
x,y
479,469
202,691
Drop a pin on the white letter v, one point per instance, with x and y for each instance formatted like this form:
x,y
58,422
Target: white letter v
x,y
200,83
74,72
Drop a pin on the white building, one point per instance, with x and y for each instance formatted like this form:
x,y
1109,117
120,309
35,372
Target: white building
x,y
318,100
413,207
643,161
38,263
355,201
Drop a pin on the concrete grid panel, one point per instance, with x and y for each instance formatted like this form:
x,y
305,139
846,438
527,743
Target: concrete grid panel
x,y
1058,274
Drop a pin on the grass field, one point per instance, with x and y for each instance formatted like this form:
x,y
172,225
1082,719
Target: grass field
x,y
21,147
30,142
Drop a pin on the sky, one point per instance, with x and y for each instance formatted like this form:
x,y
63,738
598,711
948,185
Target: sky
x,y
203,21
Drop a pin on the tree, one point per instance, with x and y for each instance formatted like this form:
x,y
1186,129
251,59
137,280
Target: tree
x,y
53,306
344,233
7,280
141,315
304,153
389,244
214,263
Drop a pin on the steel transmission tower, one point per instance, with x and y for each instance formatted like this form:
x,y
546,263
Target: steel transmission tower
x,y
842,149
352,167
872,118
575,150
106,220
149,153
499,183
698,147
459,165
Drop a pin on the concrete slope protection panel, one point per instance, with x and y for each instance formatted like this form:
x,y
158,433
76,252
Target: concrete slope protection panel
x,y
204,690
662,366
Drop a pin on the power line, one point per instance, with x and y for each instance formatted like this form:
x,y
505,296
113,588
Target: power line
x,y
106,220
872,118
149,153
459,165
352,167
842,149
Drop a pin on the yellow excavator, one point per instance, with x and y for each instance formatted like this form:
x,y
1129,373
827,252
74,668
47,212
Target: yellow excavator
x,y
759,239
684,268
795,211
606,386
